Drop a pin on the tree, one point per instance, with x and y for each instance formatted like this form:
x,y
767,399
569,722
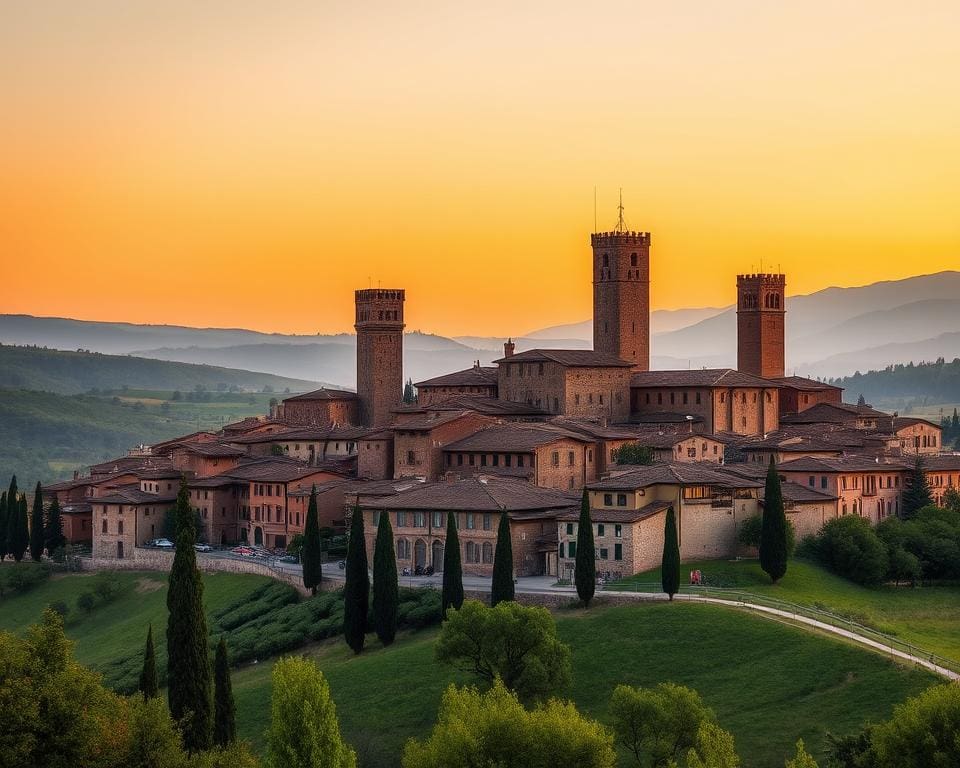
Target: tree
x,y
850,547
53,530
356,590
922,731
658,725
311,553
861,400
713,748
452,594
86,602
502,587
386,596
748,535
188,664
36,526
633,453
802,759
3,525
18,530
517,644
409,393
154,741
304,732
585,564
494,729
773,534
951,500
670,564
224,710
917,494
149,686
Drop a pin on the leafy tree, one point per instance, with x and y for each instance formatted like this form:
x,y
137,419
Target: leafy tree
x,y
304,732
149,686
773,534
802,759
311,554
188,664
386,597
18,530
452,595
922,733
850,547
854,751
517,644
36,526
713,748
658,725
670,564
931,537
409,393
86,602
904,566
356,590
748,535
585,563
633,453
3,525
494,729
951,500
502,587
224,709
54,538
154,741
917,494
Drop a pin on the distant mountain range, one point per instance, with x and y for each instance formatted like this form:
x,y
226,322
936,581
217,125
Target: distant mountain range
x,y
832,332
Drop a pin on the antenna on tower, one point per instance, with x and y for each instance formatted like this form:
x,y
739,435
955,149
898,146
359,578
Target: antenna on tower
x,y
594,208
621,225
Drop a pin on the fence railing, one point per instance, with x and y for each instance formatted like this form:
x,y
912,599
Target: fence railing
x,y
739,597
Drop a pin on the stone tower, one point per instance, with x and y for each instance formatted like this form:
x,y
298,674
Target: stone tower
x,y
379,327
761,310
621,296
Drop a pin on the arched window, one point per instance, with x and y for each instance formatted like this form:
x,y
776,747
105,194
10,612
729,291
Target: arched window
x,y
487,552
471,552
633,259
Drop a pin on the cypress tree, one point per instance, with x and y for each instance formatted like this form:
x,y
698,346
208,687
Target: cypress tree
x,y
917,494
188,663
148,676
53,530
502,587
224,709
773,531
18,536
670,564
36,526
310,554
452,595
386,595
356,590
11,518
3,525
585,567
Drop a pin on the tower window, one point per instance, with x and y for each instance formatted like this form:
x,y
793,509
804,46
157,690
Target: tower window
x,y
606,260
633,259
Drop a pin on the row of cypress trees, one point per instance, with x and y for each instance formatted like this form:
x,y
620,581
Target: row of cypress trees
x,y
37,531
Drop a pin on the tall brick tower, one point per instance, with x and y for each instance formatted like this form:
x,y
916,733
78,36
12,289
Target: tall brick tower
x,y
379,327
761,311
621,295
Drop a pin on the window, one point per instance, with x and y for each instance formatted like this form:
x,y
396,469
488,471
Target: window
x,y
569,529
104,526
472,460
618,551
602,553
401,519
572,549
698,398
487,518
471,551
608,499
555,458
823,481
487,552
496,459
600,529
483,460
540,369
470,521
571,458
507,460
419,520
618,531
438,519
403,549
811,481
684,398
459,459
621,499
519,461
411,457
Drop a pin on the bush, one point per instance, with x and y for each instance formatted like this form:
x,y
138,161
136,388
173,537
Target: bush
x,y
21,577
749,534
107,586
932,537
60,608
86,602
850,547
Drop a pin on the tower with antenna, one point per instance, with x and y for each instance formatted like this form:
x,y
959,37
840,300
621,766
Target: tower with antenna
x,y
761,316
621,293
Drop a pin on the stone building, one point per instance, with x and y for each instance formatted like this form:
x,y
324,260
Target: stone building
x,y
379,325
206,458
798,393
578,383
128,518
478,381
418,444
320,408
621,296
761,309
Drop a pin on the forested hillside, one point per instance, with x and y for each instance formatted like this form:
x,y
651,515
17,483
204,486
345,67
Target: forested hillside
x,y
906,387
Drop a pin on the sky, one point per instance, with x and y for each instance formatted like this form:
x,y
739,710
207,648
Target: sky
x,y
250,164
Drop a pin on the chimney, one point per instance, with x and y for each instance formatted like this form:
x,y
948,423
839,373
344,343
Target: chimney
x,y
508,347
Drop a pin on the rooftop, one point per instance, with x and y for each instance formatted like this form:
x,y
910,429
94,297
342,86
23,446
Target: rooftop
x,y
512,437
703,377
619,515
571,358
323,394
477,376
689,473
479,494
806,385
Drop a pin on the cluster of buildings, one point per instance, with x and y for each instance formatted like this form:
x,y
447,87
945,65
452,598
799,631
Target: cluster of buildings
x,y
526,436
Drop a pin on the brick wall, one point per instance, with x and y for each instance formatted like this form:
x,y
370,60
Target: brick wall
x,y
621,296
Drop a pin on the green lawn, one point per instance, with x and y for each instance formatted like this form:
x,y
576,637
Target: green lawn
x,y
768,683
927,617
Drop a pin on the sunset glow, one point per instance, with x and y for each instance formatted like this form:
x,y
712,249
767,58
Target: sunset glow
x,y
250,164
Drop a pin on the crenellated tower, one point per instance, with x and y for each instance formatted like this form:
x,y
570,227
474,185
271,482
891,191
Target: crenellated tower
x,y
761,313
379,325
621,296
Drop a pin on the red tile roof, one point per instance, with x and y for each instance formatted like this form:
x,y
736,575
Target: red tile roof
x,y
571,358
703,377
477,376
323,394
478,494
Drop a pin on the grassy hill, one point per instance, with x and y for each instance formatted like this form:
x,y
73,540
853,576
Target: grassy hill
x,y
45,436
70,373
769,683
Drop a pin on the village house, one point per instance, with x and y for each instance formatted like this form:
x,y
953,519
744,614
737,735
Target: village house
x,y
321,407
478,381
418,443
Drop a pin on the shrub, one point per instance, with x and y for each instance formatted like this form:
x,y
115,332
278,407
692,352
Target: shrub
x,y
60,608
850,547
87,602
749,534
24,576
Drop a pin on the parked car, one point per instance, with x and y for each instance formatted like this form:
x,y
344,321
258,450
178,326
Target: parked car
x,y
243,551
289,559
163,543
203,547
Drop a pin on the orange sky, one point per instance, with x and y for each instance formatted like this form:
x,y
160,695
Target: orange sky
x,y
237,163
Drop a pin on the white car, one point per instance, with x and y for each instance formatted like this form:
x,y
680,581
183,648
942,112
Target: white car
x,y
203,548
163,544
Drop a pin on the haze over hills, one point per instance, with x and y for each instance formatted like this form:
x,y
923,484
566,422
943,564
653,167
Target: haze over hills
x,y
832,332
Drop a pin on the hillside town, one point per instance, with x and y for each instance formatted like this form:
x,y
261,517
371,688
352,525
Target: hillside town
x,y
527,436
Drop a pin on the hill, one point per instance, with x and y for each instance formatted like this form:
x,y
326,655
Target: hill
x,y
904,388
68,373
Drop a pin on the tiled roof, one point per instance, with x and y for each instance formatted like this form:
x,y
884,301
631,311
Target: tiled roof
x,y
210,450
665,418
841,464
323,394
690,473
833,413
571,358
656,438
614,515
945,462
513,437
239,427
131,494
192,437
429,421
486,405
477,376
899,422
804,384
703,377
798,492
480,494
304,434
272,470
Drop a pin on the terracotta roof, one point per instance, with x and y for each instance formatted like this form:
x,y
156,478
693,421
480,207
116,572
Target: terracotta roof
x,y
690,473
365,488
322,488
192,437
76,508
609,515
477,376
655,438
323,394
480,494
210,450
131,494
833,413
804,384
840,464
595,429
272,470
666,418
944,462
571,358
486,405
512,437
128,464
797,492
304,434
899,422
703,377
429,421
244,425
